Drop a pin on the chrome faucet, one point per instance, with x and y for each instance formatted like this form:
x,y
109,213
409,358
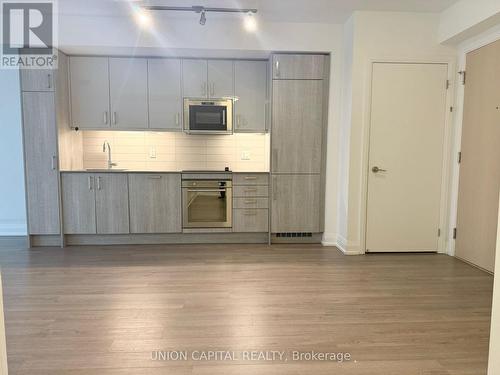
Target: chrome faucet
x,y
110,163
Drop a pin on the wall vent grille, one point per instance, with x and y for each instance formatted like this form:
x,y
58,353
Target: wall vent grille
x,y
293,235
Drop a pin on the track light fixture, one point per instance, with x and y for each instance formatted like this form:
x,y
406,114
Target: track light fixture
x,y
203,10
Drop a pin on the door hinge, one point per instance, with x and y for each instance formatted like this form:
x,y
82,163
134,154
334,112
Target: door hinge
x,y
454,233
463,73
439,232
447,84
459,159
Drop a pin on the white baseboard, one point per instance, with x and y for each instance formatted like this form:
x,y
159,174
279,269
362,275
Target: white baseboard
x,y
337,240
13,228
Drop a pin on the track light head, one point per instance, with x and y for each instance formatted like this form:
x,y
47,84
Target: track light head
x,y
203,18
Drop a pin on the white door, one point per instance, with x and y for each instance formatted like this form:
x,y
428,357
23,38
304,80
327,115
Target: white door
x,y
408,114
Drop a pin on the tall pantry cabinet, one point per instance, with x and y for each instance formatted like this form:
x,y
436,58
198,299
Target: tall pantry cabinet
x,y
48,145
298,136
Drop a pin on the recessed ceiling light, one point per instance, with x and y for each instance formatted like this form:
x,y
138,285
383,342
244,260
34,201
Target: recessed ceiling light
x,y
143,18
250,22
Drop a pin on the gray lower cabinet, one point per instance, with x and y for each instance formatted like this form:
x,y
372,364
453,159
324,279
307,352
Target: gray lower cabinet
x,y
250,90
37,80
41,164
111,203
165,96
295,203
155,203
95,203
78,203
128,86
89,87
250,220
297,124
296,66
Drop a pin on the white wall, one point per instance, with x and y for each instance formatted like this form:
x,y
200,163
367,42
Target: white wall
x,y
381,36
12,196
467,18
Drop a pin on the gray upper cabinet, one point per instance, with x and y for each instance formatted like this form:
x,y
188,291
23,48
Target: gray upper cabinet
x,y
155,203
297,125
89,86
78,203
295,203
128,93
40,148
250,90
37,80
111,202
165,97
287,66
194,78
220,78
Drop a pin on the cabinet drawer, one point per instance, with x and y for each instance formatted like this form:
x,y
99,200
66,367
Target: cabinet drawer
x,y
250,191
250,202
251,179
251,220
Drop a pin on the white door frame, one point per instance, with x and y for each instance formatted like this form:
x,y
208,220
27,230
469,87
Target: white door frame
x,y
447,156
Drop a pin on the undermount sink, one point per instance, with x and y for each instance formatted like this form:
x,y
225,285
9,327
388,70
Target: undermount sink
x,y
104,170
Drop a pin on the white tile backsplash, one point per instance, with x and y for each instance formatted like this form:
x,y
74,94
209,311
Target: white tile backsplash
x,y
177,151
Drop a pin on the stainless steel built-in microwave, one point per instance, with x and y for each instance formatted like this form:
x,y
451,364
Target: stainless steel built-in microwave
x,y
208,116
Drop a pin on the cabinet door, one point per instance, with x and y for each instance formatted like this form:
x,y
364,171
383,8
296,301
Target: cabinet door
x,y
298,66
155,203
40,148
37,80
111,202
220,78
194,78
297,124
129,93
295,203
250,90
78,201
165,97
89,86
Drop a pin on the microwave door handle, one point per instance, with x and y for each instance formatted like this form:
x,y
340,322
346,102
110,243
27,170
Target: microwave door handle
x,y
223,117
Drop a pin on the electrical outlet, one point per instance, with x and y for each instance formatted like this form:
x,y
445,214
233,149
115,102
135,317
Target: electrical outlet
x,y
245,155
152,152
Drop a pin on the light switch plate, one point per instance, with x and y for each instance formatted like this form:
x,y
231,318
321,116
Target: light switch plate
x,y
245,155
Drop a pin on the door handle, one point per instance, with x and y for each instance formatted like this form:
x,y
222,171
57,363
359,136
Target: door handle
x,y
377,169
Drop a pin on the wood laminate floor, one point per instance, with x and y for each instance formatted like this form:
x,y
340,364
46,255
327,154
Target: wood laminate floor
x,y
104,310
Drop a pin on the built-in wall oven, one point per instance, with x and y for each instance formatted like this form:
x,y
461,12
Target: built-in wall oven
x,y
208,116
207,203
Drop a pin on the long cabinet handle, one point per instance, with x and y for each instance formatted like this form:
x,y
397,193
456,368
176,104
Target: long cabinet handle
x,y
154,177
275,158
278,73
53,162
204,89
249,213
248,178
205,190
114,117
177,118
99,183
251,201
105,117
91,183
49,80
213,89
275,189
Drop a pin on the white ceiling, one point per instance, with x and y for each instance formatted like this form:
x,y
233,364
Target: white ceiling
x,y
324,11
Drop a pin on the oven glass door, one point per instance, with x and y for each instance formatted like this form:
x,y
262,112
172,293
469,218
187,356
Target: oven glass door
x,y
207,208
208,118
